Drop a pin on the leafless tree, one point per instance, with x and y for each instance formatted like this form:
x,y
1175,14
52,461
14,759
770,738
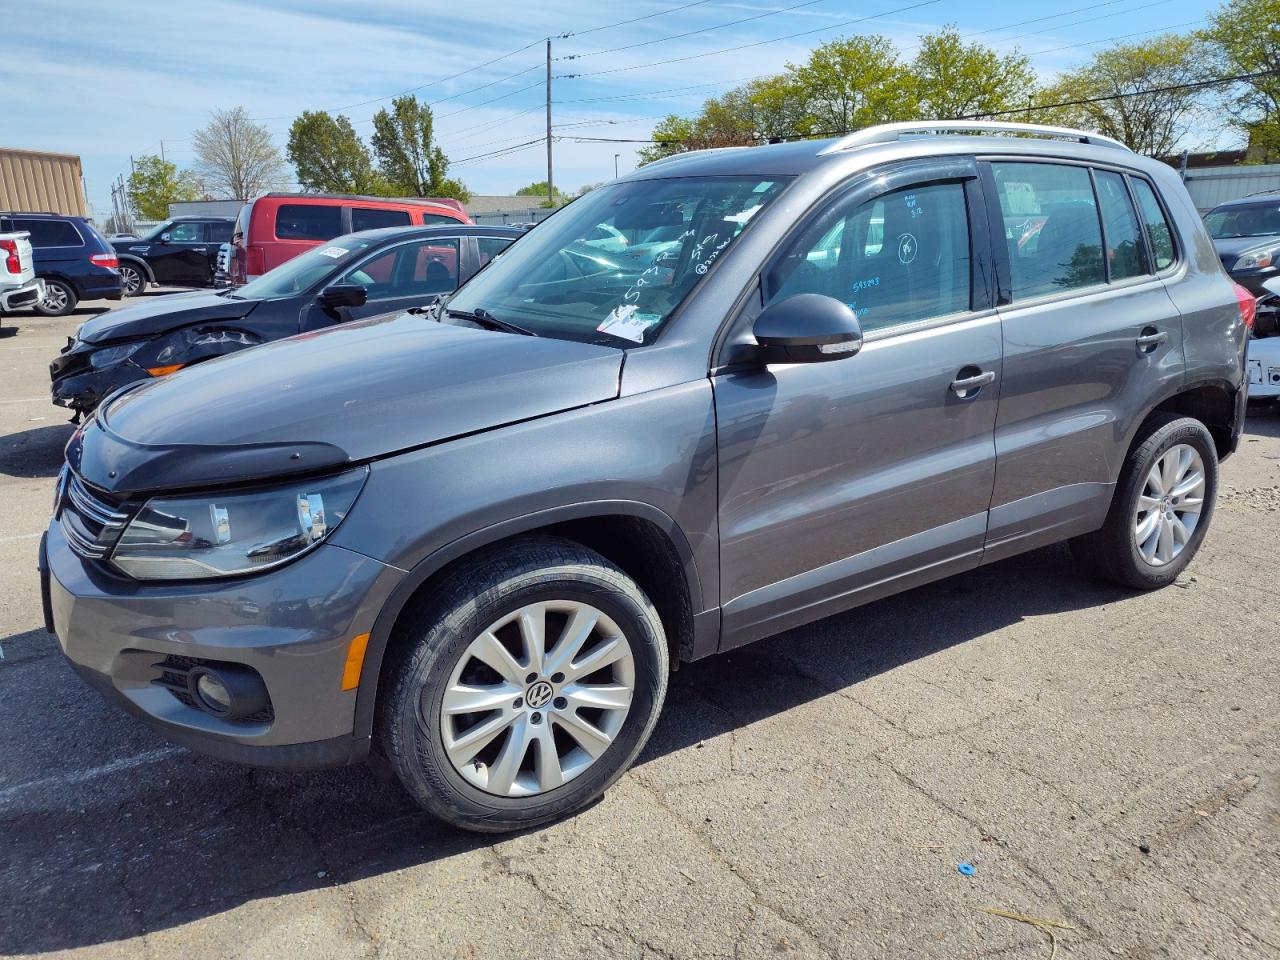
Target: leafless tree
x,y
235,156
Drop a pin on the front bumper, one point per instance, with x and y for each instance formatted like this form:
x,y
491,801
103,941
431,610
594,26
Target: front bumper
x,y
86,389
27,295
293,625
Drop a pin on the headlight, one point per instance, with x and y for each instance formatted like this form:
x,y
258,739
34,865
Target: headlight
x,y
1255,260
184,340
221,536
109,356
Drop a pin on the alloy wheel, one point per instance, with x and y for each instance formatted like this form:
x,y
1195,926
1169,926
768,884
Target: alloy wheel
x,y
55,297
537,698
1170,504
131,280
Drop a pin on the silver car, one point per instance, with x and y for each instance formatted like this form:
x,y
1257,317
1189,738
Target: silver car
x,y
470,543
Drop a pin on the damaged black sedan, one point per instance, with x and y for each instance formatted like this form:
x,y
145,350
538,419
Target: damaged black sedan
x,y
351,277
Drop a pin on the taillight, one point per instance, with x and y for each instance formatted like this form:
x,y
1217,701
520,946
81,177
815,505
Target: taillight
x,y
1248,305
11,262
109,260
254,262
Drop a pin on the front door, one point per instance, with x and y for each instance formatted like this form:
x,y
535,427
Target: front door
x,y
1091,341
844,481
181,258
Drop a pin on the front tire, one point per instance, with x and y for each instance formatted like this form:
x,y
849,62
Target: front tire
x,y
524,687
133,280
59,299
1161,509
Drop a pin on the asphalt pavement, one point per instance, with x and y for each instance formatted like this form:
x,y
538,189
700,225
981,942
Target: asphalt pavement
x,y
1105,761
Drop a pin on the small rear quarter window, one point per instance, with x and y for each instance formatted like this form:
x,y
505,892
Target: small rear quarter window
x,y
1158,229
308,221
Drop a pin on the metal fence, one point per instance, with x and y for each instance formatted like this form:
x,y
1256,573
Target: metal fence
x,y
530,215
1210,186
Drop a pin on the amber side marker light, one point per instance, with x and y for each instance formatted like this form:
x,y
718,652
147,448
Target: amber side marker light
x,y
164,371
355,661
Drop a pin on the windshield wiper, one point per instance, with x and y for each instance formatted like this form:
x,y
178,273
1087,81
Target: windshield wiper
x,y
486,319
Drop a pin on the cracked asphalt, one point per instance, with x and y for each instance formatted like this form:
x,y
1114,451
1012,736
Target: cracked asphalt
x,y
1105,760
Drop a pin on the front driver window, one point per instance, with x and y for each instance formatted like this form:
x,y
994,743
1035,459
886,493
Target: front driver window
x,y
186,233
426,267
898,259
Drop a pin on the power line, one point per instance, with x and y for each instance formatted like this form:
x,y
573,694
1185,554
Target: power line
x,y
623,23
1052,16
1127,36
691,33
758,43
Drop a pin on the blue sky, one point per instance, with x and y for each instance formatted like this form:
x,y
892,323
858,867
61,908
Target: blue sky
x,y
107,80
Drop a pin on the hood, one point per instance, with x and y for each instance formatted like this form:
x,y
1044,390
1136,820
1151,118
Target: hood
x,y
1229,248
347,394
149,316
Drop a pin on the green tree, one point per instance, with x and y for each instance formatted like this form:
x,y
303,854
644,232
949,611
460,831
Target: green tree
x,y
235,156
156,183
539,189
1153,123
410,160
329,157
1244,38
854,82
954,80
671,135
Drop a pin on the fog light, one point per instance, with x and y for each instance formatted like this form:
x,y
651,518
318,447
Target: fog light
x,y
228,691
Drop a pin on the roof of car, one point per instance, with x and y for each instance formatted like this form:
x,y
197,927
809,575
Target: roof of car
x,y
1257,199
444,230
202,217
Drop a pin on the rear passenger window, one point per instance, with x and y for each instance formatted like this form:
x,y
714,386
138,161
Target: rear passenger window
x,y
219,232
366,218
895,260
1125,255
434,218
1158,231
490,247
1051,228
310,221
50,233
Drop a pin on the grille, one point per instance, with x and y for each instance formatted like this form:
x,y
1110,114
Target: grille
x,y
173,677
90,522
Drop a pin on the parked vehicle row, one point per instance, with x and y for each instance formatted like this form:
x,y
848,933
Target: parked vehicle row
x,y
74,261
469,543
181,252
347,278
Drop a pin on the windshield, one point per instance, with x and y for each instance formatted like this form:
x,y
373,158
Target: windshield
x,y
614,265
1262,220
303,272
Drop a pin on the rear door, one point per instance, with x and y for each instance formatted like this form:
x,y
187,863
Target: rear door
x,y
844,481
1091,341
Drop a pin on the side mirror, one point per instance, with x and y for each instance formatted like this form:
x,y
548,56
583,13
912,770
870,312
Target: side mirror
x,y
807,328
165,237
343,295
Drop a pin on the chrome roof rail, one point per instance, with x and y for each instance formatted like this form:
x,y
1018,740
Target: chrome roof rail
x,y
889,132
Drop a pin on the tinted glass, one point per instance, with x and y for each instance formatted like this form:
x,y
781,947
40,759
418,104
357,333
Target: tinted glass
x,y
1051,227
558,283
1125,255
366,218
898,259
50,233
490,247
1158,231
186,233
437,218
1253,220
426,267
219,232
305,271
241,230
308,221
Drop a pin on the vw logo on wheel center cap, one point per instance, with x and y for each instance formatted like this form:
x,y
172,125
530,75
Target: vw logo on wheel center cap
x,y
539,694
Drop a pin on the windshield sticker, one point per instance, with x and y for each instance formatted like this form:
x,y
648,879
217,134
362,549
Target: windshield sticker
x,y
745,215
626,321
335,252
762,186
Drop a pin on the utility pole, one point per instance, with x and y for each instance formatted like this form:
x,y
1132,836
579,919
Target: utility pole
x,y
162,151
615,165
551,190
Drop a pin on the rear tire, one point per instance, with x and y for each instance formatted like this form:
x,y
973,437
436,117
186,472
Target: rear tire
x,y
1158,516
133,279
59,299
564,728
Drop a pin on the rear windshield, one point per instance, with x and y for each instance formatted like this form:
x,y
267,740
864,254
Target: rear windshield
x,y
308,221
241,230
50,233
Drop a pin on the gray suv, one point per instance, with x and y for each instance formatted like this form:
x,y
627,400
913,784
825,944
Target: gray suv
x,y
729,394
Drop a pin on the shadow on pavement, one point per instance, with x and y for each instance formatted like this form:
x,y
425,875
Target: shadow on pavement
x,y
183,838
36,452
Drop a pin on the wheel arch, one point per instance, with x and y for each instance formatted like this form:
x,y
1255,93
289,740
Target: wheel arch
x,y
1215,403
138,262
641,539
